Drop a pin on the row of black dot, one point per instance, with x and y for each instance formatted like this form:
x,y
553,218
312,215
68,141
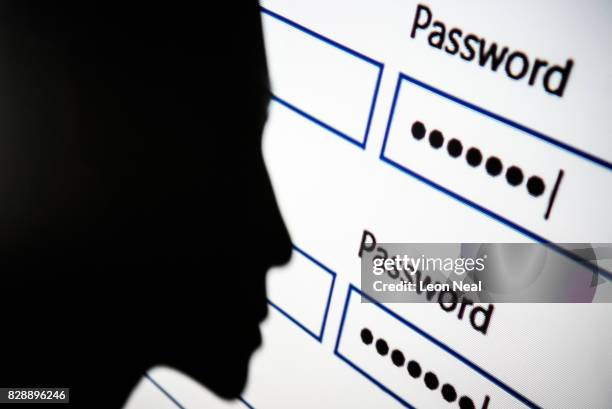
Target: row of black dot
x,y
473,156
414,369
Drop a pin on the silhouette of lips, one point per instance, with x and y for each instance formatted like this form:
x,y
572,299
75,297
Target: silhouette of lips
x,y
258,339
254,340
264,313
258,326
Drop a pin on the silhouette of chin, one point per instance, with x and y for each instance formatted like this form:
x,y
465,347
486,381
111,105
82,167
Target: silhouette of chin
x,y
228,376
214,348
232,386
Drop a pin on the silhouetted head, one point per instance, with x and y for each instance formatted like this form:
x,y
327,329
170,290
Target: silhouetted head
x,y
138,220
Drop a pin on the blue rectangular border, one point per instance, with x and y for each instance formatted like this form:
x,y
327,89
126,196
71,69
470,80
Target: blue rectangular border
x,y
403,77
164,391
176,402
319,336
428,337
360,142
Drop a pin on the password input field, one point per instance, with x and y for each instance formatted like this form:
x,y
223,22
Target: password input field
x,y
409,364
513,174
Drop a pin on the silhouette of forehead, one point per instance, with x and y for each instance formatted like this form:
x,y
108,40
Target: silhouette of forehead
x,y
202,51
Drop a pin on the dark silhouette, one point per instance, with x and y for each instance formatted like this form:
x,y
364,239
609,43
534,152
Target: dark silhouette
x,y
137,219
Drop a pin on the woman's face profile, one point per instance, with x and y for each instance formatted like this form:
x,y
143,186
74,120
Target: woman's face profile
x,y
137,206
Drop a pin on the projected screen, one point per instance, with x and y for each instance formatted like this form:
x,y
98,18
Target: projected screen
x,y
433,122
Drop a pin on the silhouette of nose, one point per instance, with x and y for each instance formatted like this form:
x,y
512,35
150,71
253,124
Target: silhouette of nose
x,y
278,235
285,247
